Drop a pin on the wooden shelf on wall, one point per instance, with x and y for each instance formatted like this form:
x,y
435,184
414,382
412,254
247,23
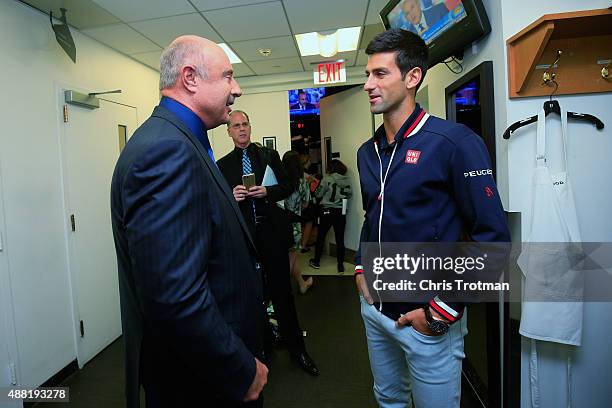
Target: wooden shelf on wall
x,y
585,39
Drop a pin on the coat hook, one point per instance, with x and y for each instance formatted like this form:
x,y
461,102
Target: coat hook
x,y
548,76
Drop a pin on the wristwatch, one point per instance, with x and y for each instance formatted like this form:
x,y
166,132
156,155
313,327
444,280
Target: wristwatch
x,y
439,327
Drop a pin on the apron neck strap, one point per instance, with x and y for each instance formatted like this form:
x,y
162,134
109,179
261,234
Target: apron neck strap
x,y
541,138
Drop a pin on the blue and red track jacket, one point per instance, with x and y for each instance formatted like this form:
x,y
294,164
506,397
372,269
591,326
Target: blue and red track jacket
x,y
439,185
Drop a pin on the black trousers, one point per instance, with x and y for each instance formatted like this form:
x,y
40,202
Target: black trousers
x,y
331,217
274,257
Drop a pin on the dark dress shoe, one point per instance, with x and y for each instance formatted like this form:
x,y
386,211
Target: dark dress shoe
x,y
307,364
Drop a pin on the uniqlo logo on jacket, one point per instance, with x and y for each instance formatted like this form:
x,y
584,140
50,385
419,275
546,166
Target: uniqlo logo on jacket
x,y
412,156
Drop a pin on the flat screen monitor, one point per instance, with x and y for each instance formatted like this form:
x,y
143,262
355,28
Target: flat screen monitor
x,y
447,27
305,101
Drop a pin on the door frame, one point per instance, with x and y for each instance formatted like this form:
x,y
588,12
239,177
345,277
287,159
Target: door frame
x,y
483,71
7,316
61,135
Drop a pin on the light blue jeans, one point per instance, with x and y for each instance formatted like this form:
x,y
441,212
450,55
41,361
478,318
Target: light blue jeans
x,y
407,365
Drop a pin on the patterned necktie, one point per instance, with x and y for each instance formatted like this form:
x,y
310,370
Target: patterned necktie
x,y
248,169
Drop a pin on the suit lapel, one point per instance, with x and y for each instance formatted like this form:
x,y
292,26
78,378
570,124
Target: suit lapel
x,y
163,113
260,163
238,167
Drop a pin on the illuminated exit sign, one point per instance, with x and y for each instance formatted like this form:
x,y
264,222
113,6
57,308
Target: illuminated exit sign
x,y
330,73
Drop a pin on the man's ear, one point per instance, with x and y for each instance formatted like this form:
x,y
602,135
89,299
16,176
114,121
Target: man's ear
x,y
413,78
189,78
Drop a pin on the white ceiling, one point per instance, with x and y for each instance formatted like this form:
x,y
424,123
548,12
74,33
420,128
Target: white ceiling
x,y
142,28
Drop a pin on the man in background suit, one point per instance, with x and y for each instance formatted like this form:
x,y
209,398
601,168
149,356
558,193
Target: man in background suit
x,y
191,299
269,225
302,103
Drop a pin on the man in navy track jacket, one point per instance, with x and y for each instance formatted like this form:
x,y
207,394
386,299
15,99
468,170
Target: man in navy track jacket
x,y
423,179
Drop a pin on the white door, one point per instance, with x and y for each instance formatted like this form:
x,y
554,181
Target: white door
x,y
90,147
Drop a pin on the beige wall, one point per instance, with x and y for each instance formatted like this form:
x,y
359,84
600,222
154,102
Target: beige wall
x,y
269,114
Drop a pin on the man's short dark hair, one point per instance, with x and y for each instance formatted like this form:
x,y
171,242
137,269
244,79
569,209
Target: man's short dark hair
x,y
411,50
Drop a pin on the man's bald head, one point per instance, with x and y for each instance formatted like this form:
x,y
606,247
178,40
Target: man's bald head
x,y
197,73
186,50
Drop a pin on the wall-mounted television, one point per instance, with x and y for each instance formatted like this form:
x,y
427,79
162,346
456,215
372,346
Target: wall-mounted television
x,y
305,101
447,27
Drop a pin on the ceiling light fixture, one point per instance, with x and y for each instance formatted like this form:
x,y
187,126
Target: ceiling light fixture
x,y
234,59
328,43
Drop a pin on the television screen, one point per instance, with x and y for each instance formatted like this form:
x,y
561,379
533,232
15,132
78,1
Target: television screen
x,y
468,95
467,106
427,18
305,101
446,26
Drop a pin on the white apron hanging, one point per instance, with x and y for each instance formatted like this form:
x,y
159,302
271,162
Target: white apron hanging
x,y
549,259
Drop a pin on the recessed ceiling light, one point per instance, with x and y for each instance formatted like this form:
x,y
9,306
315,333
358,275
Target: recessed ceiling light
x,y
328,43
266,52
230,54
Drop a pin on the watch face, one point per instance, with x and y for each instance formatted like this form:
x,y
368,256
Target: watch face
x,y
438,327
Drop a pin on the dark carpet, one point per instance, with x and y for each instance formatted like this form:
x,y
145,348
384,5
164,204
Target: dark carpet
x,y
329,313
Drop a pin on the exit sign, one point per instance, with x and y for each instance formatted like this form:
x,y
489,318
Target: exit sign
x,y
330,73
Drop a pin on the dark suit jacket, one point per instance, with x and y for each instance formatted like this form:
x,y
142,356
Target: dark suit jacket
x,y
191,298
296,106
276,219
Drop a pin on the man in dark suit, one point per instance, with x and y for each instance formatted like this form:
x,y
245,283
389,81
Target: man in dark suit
x,y
417,19
269,224
302,103
191,299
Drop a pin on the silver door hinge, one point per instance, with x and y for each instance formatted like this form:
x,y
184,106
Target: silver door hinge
x,y
72,222
65,113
